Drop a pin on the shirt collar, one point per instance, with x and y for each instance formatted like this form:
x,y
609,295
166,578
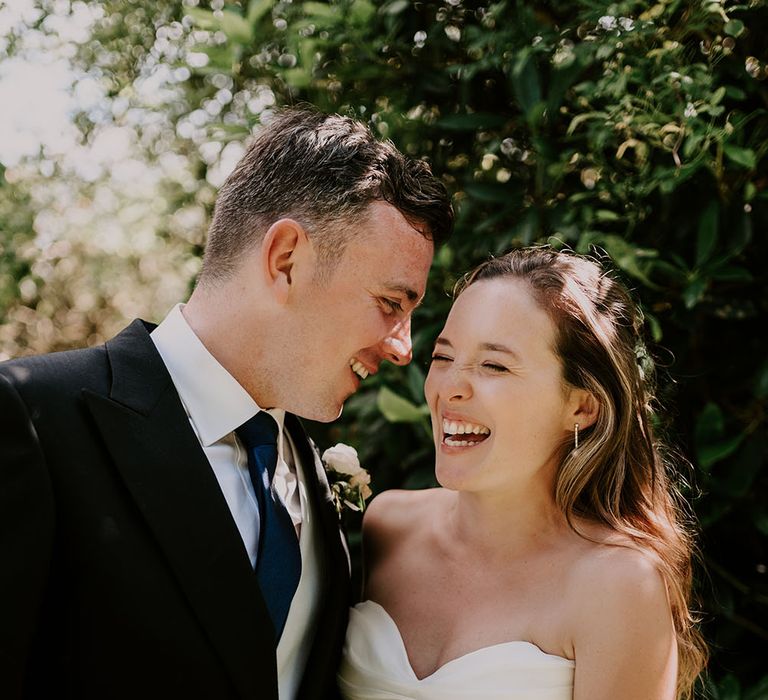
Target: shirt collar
x,y
214,400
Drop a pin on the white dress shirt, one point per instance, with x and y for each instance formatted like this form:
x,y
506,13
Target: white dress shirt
x,y
216,405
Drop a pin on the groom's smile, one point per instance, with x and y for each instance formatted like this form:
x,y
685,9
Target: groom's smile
x,y
359,368
346,324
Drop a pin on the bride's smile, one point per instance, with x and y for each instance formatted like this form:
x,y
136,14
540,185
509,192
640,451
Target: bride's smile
x,y
461,432
501,409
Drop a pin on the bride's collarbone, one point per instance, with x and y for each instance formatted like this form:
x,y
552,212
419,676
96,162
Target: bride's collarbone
x,y
447,606
443,618
438,628
452,589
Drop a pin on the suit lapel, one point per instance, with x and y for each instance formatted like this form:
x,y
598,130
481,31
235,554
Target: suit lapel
x,y
319,676
148,435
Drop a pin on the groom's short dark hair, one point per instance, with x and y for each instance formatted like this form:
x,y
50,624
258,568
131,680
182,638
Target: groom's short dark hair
x,y
323,171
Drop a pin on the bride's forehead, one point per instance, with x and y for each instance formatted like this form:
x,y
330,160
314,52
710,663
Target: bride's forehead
x,y
505,302
487,314
498,290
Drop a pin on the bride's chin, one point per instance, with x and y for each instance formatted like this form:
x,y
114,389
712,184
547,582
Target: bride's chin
x,y
451,478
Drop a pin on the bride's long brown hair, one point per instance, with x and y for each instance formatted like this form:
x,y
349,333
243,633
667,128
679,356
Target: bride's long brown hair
x,y
621,475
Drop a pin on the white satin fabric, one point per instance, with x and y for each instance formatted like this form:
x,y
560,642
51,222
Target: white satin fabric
x,y
376,667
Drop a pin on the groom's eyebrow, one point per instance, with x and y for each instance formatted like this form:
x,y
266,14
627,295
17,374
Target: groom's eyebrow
x,y
411,294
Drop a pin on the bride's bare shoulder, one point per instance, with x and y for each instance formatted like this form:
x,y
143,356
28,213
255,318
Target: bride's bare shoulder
x,y
398,509
397,526
396,515
621,584
606,557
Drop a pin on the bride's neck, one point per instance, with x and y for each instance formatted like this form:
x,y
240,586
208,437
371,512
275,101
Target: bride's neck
x,y
497,524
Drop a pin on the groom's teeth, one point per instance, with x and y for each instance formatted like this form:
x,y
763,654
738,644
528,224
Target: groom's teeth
x,y
358,368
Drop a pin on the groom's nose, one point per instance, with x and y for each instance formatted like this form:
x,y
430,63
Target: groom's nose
x,y
397,347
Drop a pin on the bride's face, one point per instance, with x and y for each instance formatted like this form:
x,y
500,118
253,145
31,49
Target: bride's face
x,y
501,411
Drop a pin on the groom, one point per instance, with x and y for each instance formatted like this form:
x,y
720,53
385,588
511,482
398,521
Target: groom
x,y
166,529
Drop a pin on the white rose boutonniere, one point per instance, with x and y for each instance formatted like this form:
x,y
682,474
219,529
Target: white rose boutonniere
x,y
349,481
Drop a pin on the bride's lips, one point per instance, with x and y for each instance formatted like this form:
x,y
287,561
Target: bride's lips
x,y
460,433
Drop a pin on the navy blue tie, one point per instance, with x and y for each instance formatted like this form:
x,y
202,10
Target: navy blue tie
x,y
278,563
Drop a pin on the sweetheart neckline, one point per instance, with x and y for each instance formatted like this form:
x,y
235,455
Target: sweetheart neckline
x,y
424,679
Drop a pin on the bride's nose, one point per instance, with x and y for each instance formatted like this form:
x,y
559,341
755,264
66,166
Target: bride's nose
x,y
456,386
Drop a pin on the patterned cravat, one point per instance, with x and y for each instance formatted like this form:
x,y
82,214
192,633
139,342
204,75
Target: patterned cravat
x,y
278,564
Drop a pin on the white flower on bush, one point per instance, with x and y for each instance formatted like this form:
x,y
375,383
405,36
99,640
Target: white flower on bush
x,y
626,23
609,23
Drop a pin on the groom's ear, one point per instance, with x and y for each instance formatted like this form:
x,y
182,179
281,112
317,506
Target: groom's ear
x,y
285,250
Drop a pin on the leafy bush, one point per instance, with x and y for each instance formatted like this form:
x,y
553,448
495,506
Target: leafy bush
x,y
641,129
638,129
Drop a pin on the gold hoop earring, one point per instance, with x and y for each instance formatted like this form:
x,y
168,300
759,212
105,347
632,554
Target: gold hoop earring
x,y
575,436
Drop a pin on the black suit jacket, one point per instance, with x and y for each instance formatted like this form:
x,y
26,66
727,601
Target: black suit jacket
x,y
122,572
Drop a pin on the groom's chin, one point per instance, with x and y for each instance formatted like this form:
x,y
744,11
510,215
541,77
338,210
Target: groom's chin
x,y
332,417
324,414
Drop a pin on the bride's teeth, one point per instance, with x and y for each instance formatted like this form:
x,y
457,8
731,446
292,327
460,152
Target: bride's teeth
x,y
455,428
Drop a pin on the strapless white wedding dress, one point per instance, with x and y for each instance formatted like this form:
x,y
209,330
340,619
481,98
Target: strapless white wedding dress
x,y
376,667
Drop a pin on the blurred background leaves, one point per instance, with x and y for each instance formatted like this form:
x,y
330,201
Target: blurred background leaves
x,y
638,128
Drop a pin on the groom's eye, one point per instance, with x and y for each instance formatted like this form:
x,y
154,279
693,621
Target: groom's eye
x,y
440,358
393,305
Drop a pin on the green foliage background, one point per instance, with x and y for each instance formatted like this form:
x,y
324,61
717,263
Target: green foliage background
x,y
638,128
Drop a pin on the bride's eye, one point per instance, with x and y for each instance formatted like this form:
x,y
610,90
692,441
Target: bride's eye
x,y
494,367
440,358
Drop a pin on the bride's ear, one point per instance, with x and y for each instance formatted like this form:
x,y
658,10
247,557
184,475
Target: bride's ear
x,y
585,408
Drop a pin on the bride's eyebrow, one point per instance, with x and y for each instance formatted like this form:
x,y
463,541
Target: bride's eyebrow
x,y
492,347
498,347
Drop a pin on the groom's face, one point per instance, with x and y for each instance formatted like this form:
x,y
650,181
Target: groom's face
x,y
348,324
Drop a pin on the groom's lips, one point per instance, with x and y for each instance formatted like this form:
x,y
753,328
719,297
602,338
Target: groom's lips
x,y
369,372
357,379
361,369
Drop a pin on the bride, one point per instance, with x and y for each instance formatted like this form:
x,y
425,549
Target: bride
x,y
555,561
